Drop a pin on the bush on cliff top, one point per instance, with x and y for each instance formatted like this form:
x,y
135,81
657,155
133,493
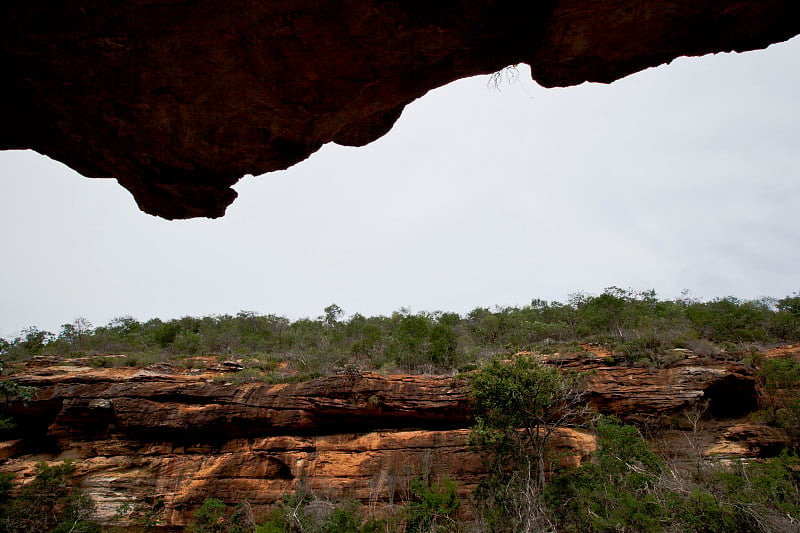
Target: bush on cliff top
x,y
637,326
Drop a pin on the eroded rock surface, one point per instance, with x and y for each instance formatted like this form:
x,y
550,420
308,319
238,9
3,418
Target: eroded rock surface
x,y
167,438
178,102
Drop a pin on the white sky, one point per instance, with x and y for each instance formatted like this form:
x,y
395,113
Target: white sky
x,y
682,177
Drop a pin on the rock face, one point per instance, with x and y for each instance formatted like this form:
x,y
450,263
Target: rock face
x,y
166,439
178,102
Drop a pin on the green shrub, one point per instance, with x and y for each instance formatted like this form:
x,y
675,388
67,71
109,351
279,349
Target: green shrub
x,y
14,392
729,319
275,522
49,503
304,514
192,363
785,324
626,488
101,361
141,359
643,349
432,506
342,520
701,512
209,517
614,491
186,342
265,362
770,486
780,381
517,406
165,334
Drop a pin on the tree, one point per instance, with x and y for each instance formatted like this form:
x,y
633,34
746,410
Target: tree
x,y
790,304
332,315
431,506
209,517
785,324
242,519
518,405
780,383
614,492
411,335
75,333
443,345
729,319
49,503
32,341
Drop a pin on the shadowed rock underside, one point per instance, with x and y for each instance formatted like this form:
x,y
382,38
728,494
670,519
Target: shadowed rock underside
x,y
178,101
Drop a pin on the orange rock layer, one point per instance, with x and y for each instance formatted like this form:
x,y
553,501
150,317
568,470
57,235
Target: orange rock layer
x,y
167,438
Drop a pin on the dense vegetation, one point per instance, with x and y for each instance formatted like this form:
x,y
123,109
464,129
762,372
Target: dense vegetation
x,y
518,407
637,326
49,503
626,486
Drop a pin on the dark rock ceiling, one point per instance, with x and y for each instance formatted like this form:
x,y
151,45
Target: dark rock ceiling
x,y
178,100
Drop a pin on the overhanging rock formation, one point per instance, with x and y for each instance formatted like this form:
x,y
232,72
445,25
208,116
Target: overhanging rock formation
x,y
178,100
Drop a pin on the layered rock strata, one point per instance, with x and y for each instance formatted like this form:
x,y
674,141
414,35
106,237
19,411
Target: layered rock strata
x,y
166,439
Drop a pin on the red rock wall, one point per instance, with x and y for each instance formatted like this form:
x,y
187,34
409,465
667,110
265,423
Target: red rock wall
x,y
170,438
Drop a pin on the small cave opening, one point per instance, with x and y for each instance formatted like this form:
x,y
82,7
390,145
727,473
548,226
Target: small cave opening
x,y
732,397
282,470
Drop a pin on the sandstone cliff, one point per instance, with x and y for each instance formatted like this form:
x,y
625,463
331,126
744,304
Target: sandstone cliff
x,y
165,438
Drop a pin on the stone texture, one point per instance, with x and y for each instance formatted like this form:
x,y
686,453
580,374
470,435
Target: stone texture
x,y
633,392
178,101
167,438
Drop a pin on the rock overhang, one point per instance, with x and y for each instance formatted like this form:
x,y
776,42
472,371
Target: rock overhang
x,y
178,103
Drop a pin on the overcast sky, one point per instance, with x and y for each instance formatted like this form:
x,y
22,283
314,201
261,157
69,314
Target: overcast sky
x,y
686,176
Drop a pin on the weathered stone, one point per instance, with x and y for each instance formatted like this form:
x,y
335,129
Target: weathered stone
x,y
170,439
178,101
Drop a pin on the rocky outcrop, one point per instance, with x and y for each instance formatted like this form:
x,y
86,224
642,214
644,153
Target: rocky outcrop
x,y
198,408
178,101
165,439
169,439
631,393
